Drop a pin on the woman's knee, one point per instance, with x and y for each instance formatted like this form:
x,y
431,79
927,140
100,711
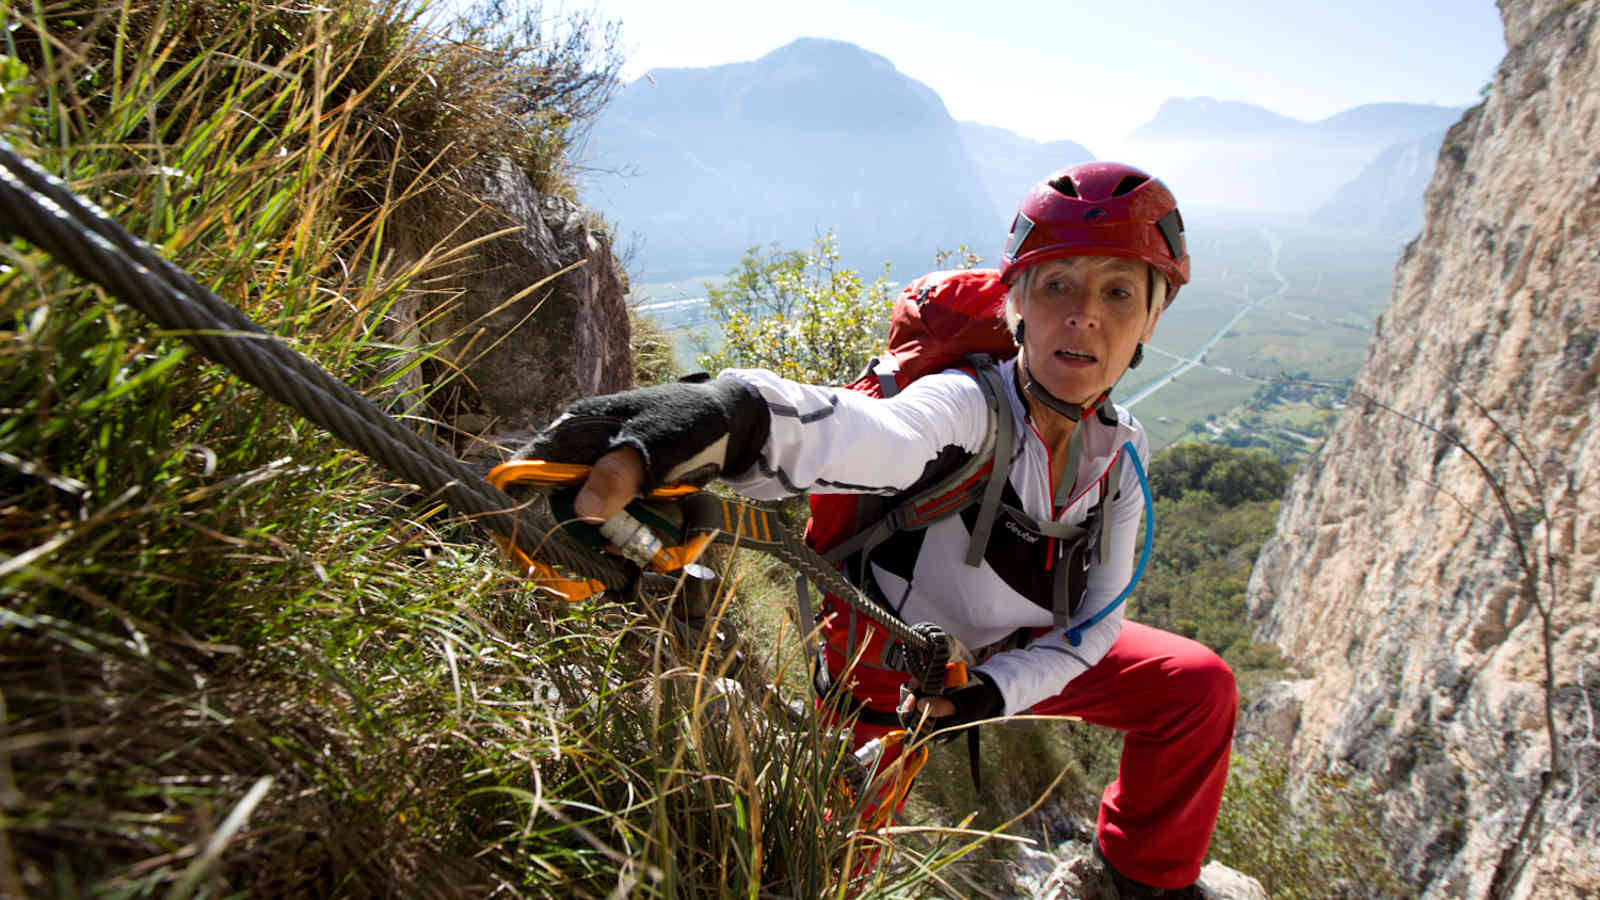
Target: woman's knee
x,y
1207,679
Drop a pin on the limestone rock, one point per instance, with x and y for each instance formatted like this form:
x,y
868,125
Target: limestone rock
x,y
1395,576
1070,872
538,308
1272,712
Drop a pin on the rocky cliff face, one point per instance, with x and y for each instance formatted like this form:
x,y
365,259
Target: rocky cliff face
x,y
1447,636
536,309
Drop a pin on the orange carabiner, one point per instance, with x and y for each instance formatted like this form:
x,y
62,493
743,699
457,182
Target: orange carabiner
x,y
544,576
558,474
547,578
909,766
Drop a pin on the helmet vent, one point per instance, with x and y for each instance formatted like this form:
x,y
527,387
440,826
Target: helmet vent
x,y
1128,183
1065,186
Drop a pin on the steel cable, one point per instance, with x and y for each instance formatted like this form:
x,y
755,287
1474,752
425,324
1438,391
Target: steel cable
x,y
817,570
43,210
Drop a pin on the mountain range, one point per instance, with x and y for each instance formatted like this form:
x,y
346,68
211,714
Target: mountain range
x,y
695,165
815,135
1231,157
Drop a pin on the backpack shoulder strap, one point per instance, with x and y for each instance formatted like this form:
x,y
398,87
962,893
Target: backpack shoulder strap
x,y
1003,429
1109,493
954,491
1072,570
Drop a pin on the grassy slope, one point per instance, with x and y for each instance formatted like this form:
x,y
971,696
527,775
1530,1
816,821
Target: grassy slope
x,y
211,608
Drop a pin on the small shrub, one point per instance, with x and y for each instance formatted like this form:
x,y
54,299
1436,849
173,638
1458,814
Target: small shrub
x,y
1316,840
802,315
654,359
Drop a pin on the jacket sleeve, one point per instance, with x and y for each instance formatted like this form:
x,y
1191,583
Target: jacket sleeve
x,y
1044,667
832,440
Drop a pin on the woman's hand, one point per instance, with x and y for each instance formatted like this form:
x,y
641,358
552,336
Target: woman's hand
x,y
975,701
614,481
638,439
914,706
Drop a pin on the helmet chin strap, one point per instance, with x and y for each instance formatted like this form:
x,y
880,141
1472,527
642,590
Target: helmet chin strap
x,y
1073,411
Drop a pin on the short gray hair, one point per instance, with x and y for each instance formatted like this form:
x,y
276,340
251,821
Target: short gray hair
x,y
1019,290
1014,295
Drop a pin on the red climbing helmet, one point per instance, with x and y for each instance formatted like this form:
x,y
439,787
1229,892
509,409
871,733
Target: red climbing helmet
x,y
1099,209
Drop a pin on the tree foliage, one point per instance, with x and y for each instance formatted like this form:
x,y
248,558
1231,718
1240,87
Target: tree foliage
x,y
1320,839
1214,507
1231,476
802,315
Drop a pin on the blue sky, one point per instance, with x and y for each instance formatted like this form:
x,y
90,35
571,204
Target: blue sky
x,y
1092,71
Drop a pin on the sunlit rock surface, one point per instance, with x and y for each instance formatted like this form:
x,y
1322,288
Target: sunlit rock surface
x,y
1393,581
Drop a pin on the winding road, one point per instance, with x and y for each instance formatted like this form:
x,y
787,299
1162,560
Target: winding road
x,y
1184,364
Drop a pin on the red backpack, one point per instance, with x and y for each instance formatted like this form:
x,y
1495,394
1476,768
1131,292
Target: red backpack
x,y
940,321
943,320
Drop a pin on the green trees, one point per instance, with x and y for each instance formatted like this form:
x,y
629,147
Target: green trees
x,y
1214,507
1320,838
802,315
1231,476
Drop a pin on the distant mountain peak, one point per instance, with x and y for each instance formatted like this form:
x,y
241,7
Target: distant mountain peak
x,y
1189,116
815,48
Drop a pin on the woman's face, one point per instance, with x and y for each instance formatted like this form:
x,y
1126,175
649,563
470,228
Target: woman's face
x,y
1085,316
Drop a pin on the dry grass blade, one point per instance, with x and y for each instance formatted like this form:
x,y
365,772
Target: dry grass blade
x,y
208,858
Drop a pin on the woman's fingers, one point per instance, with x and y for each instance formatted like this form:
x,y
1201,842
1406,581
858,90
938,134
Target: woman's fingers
x,y
613,482
935,707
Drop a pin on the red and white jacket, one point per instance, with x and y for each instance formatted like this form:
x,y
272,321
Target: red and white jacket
x,y
827,439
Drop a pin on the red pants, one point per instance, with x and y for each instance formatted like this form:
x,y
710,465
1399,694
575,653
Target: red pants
x,y
1175,702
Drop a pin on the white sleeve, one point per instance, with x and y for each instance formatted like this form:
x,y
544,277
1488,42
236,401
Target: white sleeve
x,y
833,440
1044,667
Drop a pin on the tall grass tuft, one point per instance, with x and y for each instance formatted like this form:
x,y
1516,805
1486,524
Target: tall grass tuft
x,y
235,658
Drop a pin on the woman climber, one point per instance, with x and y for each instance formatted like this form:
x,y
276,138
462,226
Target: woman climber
x,y
1095,255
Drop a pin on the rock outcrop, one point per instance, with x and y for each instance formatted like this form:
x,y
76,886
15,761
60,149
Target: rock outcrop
x,y
1070,871
1436,570
537,312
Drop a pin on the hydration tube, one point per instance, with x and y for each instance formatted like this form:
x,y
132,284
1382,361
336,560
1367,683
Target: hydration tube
x,y
1075,633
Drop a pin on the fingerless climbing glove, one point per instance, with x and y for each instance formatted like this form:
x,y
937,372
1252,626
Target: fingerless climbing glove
x,y
688,431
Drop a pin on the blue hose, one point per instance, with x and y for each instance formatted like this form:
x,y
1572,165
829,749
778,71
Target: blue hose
x,y
1075,633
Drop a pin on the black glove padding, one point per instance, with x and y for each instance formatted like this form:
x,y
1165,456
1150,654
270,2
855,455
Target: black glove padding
x,y
975,701
685,432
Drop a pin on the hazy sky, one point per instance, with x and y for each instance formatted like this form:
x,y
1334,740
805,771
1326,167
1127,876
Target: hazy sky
x,y
1092,71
